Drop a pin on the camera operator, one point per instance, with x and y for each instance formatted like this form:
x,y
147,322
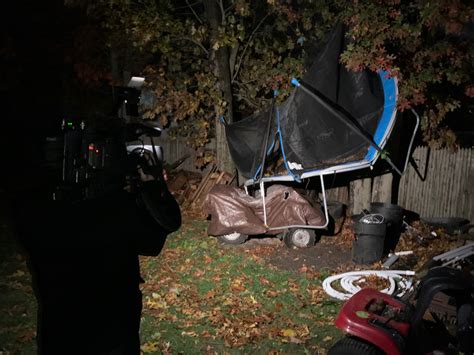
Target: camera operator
x,y
84,253
83,256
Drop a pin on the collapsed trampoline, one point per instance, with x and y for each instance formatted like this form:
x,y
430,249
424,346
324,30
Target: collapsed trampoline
x,y
334,121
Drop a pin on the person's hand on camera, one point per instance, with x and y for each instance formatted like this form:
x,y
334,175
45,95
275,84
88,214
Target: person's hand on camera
x,y
144,177
148,177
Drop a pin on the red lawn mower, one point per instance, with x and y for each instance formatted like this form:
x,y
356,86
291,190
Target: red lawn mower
x,y
437,318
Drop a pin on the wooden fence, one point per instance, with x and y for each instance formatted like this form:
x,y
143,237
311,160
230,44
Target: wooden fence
x,y
176,148
445,189
446,186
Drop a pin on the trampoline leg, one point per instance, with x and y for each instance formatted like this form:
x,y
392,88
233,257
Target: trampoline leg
x,y
325,205
262,192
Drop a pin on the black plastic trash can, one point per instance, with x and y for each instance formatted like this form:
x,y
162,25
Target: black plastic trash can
x,y
393,215
368,247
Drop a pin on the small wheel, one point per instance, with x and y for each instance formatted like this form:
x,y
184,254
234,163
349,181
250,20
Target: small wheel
x,y
233,238
354,346
300,238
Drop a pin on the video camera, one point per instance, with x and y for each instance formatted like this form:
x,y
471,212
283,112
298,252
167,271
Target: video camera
x,y
116,153
102,155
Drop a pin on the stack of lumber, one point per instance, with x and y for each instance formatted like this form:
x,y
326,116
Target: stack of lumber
x,y
190,189
182,184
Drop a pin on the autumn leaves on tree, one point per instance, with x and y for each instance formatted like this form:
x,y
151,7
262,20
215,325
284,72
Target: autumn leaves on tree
x,y
213,58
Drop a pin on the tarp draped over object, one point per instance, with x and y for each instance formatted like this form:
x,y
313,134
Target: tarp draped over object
x,y
311,135
232,210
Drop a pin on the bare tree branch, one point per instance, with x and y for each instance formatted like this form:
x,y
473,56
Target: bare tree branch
x,y
246,46
229,7
184,7
205,50
194,12
240,95
221,5
233,57
248,100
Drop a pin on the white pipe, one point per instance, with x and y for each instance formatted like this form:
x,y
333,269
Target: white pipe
x,y
454,252
458,258
347,282
402,253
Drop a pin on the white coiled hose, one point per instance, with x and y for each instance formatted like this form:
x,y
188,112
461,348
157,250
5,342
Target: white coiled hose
x,y
399,280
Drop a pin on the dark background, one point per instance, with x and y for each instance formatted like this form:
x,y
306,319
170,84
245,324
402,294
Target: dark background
x,y
33,36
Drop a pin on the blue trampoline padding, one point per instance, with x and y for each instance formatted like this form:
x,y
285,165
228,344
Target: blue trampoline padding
x,y
390,98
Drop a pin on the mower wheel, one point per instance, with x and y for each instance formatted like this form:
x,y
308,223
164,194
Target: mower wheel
x,y
233,238
300,238
354,346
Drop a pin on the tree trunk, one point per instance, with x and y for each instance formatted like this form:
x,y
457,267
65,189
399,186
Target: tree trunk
x,y
361,191
382,188
223,159
222,70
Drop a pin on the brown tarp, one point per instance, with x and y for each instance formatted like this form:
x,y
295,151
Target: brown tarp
x,y
232,210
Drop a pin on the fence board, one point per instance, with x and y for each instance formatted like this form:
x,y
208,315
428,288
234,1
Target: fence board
x,y
176,148
448,190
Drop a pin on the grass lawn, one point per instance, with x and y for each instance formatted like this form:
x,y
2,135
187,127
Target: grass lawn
x,y
199,297
17,301
202,297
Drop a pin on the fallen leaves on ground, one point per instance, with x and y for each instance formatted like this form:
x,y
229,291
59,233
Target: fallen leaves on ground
x,y
346,236
373,281
433,241
219,297
225,297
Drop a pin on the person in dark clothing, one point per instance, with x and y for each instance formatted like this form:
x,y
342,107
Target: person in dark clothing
x,y
83,248
83,257
82,253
